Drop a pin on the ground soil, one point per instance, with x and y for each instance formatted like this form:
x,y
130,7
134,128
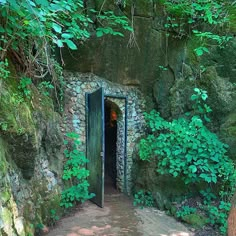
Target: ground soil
x,y
118,218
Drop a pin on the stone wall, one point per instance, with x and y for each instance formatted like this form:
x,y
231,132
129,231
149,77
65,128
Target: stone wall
x,y
76,86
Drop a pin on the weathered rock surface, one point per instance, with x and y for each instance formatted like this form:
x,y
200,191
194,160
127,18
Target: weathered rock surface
x,y
30,163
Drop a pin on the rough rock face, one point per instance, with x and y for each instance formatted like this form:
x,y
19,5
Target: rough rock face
x,y
30,164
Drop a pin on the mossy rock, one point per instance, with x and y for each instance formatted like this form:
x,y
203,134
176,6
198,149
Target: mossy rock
x,y
195,220
50,210
173,210
5,196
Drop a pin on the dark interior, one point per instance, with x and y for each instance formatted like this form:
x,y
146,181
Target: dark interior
x,y
110,143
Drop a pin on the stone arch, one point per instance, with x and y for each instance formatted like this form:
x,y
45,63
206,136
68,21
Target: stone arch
x,y
131,124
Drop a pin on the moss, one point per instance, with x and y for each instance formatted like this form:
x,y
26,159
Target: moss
x,y
29,229
3,164
173,210
48,217
5,196
192,44
196,220
14,112
6,216
17,112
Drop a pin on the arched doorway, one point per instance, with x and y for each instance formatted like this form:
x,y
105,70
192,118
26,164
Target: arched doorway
x,y
106,147
112,116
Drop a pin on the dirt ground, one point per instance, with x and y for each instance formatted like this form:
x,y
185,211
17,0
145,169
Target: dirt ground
x,y
118,218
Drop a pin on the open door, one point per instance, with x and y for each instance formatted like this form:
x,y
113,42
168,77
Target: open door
x,y
95,144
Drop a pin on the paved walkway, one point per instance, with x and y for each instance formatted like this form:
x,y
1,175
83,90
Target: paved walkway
x,y
118,218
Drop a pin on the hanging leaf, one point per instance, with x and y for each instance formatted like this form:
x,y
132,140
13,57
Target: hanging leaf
x,y
2,2
70,44
199,51
99,33
67,36
59,43
57,27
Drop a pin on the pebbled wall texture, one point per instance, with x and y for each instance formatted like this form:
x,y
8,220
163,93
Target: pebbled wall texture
x,y
77,85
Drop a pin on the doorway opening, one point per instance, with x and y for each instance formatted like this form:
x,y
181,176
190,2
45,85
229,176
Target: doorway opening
x,y
112,117
106,147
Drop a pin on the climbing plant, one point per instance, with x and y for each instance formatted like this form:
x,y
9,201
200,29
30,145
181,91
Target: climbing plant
x,y
209,21
187,149
74,173
31,31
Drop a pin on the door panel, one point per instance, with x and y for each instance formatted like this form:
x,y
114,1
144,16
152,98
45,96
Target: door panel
x,y
95,144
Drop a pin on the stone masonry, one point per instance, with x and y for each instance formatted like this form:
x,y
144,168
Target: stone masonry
x,y
77,84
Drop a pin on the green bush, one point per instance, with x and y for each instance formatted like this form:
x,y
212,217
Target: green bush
x,y
143,198
75,173
185,210
187,149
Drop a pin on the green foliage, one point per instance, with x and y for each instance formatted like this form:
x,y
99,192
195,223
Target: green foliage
x,y
39,226
57,22
109,20
4,72
143,198
209,21
185,210
218,215
53,217
31,30
44,87
163,68
185,148
24,86
3,125
208,196
75,172
17,98
200,108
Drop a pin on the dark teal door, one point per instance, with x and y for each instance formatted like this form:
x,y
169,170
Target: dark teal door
x,y
95,144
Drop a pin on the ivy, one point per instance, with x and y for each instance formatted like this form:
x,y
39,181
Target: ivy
x,y
209,21
187,149
31,30
25,82
143,198
75,173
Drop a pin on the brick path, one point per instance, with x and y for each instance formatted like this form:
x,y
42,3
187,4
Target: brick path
x,y
118,218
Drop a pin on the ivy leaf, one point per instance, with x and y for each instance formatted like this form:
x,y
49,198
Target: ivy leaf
x,y
99,33
70,44
2,30
44,3
193,168
3,2
204,96
59,43
67,36
56,27
198,51
32,3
